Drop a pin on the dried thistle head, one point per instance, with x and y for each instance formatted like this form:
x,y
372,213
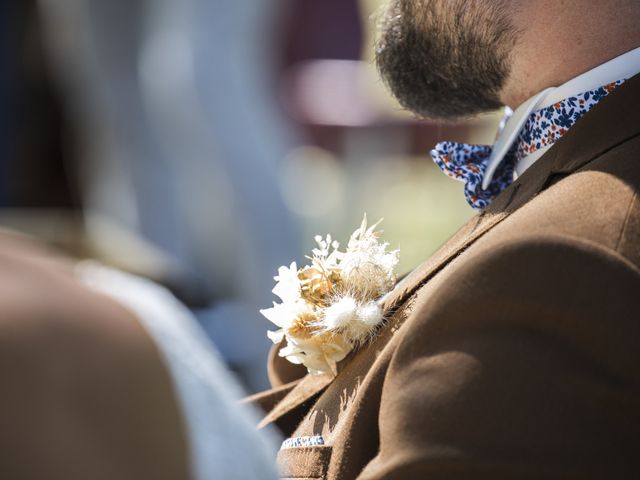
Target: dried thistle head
x,y
368,281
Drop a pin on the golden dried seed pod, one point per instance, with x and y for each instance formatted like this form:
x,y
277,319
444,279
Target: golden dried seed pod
x,y
304,326
315,287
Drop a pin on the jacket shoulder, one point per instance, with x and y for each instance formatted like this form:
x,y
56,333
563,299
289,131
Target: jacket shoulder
x,y
598,203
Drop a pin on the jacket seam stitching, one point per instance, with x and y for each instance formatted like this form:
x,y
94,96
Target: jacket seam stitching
x,y
626,220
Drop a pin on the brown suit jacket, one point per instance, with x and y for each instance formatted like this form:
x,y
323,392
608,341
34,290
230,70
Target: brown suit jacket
x,y
84,391
513,352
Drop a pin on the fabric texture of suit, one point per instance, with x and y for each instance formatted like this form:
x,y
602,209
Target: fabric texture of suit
x,y
513,351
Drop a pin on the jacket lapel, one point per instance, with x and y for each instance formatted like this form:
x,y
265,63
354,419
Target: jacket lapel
x,y
464,237
612,121
303,391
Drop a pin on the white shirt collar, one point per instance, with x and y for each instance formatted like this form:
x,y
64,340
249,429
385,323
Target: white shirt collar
x,y
623,66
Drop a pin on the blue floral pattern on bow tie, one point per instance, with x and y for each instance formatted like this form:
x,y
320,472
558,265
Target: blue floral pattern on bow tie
x,y
468,163
547,125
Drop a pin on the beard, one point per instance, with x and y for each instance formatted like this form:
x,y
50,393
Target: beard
x,y
445,59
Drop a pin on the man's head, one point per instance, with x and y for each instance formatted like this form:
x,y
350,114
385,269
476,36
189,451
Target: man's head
x,y
453,58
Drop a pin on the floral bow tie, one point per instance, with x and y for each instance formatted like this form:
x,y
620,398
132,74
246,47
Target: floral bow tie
x,y
469,163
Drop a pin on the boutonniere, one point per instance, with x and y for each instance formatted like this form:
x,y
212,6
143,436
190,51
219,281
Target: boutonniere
x,y
330,306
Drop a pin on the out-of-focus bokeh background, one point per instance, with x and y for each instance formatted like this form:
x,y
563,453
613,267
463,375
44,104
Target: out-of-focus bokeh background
x,y
203,143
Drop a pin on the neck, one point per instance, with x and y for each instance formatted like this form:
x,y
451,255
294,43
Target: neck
x,y
573,40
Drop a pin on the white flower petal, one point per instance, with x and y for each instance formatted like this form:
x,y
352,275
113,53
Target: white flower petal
x,y
335,352
275,336
316,364
297,359
288,286
278,315
289,350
